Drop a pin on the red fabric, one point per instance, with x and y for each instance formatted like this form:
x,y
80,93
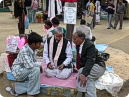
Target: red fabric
x,y
69,0
78,58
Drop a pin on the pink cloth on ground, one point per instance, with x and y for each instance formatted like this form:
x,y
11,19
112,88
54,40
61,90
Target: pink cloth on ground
x,y
68,83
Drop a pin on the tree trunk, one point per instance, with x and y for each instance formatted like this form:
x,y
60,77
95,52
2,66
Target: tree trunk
x,y
69,29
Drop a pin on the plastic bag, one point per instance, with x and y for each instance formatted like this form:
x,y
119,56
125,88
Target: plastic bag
x,y
21,43
26,22
97,18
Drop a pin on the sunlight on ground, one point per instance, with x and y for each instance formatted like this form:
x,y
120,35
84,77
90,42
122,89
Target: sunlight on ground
x,y
1,95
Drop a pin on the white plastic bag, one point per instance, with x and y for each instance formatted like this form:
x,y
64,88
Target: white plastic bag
x,y
111,82
97,18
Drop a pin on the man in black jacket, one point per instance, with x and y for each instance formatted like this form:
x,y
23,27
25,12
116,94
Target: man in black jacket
x,y
89,70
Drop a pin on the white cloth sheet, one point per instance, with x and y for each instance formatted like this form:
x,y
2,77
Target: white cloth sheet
x,y
111,82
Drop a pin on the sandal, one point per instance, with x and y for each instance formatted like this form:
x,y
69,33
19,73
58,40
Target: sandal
x,y
8,89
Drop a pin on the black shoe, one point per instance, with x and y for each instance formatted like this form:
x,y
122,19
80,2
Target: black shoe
x,y
114,27
108,28
75,70
120,28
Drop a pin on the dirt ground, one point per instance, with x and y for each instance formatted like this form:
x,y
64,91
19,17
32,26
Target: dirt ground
x,y
116,39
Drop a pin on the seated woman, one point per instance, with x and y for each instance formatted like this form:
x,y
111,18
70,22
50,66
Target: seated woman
x,y
58,55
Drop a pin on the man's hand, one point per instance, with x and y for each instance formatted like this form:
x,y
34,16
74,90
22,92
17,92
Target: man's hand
x,y
61,67
82,80
50,66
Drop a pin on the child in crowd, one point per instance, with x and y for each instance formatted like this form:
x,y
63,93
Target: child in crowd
x,y
55,22
48,28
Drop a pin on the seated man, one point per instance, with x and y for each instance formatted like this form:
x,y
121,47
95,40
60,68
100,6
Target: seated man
x,y
58,55
84,29
26,70
55,22
90,69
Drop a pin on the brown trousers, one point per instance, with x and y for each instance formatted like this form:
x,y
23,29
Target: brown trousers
x,y
21,24
119,17
21,30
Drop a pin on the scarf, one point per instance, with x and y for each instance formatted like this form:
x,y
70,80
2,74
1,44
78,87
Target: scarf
x,y
20,3
58,51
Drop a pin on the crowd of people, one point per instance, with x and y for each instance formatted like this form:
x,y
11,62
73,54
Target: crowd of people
x,y
93,9
118,15
57,53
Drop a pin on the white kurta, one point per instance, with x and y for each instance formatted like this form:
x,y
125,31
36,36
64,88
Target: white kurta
x,y
62,74
59,7
51,9
68,52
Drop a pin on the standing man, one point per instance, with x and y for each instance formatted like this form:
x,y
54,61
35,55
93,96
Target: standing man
x,y
119,14
20,13
34,8
89,68
92,7
110,10
28,5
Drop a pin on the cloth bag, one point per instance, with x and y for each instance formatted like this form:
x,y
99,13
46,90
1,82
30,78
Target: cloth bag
x,y
12,43
26,22
110,82
97,18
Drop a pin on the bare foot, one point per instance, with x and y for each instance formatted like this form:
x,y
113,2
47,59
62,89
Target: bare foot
x,y
13,88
